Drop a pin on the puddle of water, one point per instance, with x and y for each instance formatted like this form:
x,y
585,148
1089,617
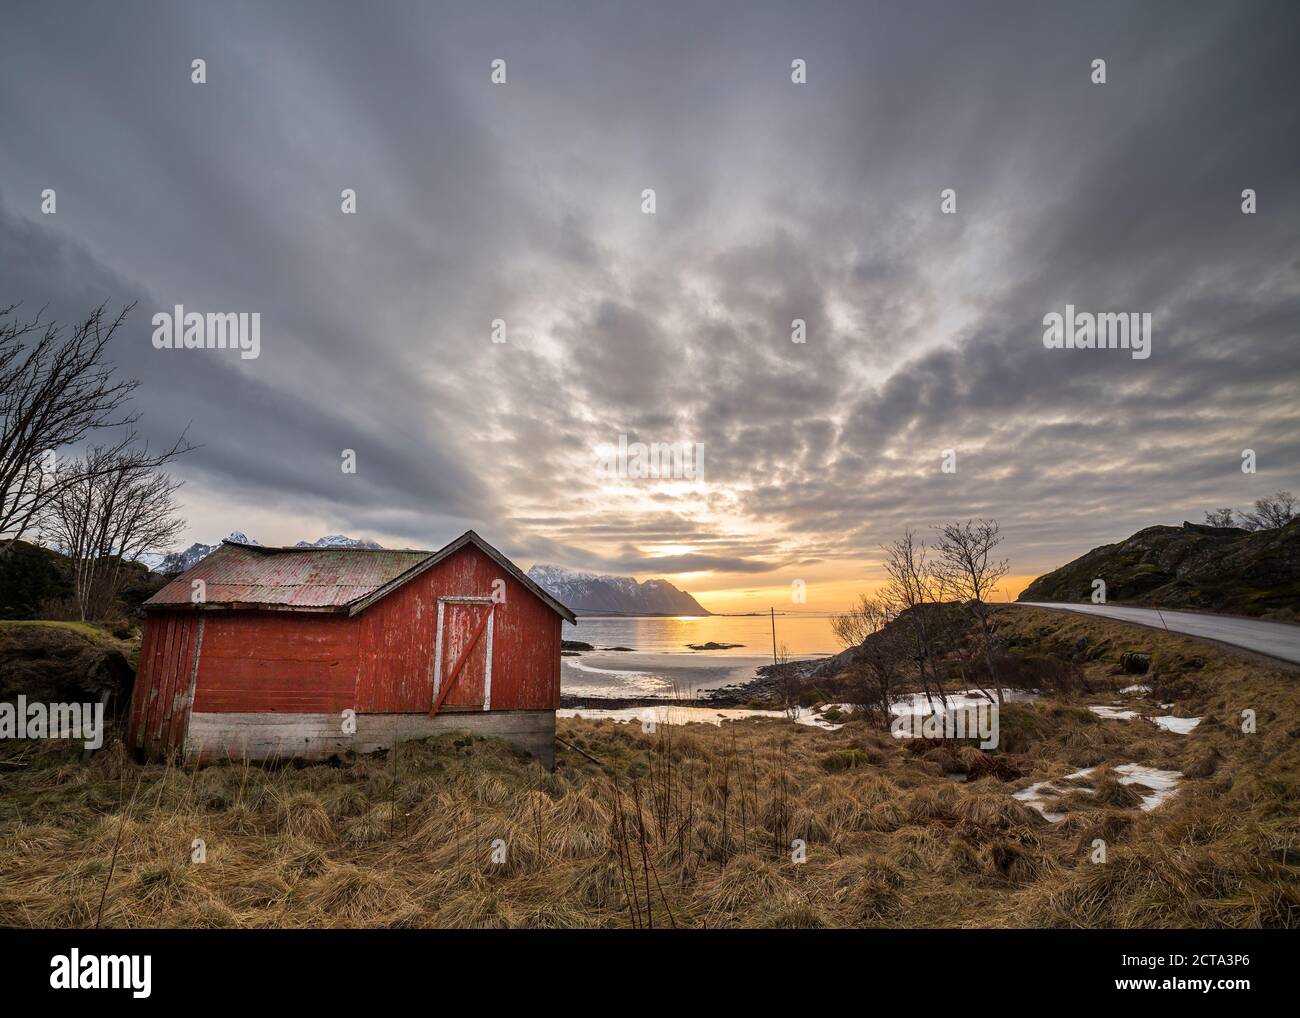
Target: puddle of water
x,y
674,715
669,715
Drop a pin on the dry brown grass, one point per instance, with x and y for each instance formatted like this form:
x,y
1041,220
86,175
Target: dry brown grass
x,y
693,826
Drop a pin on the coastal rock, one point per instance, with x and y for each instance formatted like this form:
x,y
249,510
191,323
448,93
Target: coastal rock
x,y
1222,569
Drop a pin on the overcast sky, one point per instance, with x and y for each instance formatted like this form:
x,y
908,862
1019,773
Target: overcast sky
x,y
775,201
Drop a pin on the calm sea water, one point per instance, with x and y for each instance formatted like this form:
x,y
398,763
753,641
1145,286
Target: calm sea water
x,y
661,664
805,636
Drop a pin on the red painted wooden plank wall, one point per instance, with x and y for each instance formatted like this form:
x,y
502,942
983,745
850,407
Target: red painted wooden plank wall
x,y
295,663
380,661
398,635
160,699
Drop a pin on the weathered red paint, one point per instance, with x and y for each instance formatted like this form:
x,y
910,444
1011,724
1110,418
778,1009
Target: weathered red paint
x,y
160,702
399,635
461,675
275,661
380,660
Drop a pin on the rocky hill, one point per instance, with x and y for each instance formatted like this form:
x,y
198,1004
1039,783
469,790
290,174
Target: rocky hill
x,y
31,577
591,594
36,583
1223,569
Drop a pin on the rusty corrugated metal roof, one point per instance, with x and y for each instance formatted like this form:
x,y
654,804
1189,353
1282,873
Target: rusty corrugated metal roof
x,y
240,575
251,576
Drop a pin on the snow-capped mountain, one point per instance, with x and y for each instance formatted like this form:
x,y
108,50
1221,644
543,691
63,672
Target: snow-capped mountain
x,y
592,594
179,561
338,541
151,560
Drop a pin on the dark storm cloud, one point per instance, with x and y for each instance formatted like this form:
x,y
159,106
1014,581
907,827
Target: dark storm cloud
x,y
633,561
775,202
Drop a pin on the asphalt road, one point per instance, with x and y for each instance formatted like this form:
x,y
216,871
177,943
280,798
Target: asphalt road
x,y
1276,639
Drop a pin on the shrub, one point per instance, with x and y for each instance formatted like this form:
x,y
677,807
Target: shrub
x,y
845,760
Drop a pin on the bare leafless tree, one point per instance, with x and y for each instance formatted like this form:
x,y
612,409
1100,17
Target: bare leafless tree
x,y
1220,517
879,653
788,681
116,506
1270,512
55,389
969,572
913,589
864,619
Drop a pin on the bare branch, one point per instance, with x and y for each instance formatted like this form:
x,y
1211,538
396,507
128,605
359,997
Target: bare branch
x,y
115,506
55,390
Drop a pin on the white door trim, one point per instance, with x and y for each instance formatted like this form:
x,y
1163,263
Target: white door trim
x,y
437,649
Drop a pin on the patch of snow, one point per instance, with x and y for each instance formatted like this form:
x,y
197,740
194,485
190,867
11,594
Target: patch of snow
x,y
917,703
961,706
811,716
338,541
1167,722
1137,688
1114,713
1180,726
1035,796
1163,785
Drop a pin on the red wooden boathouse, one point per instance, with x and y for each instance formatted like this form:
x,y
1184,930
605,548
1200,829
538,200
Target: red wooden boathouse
x,y
262,653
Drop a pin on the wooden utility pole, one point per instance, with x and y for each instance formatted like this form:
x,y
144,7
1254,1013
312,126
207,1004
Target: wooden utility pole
x,y
773,611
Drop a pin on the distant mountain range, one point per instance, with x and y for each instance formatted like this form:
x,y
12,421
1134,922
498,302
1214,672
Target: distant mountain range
x,y
179,561
591,594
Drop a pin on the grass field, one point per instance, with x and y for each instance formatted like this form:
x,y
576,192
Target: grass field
x,y
693,826
87,629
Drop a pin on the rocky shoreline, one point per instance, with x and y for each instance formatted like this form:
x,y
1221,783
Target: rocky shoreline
x,y
759,692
